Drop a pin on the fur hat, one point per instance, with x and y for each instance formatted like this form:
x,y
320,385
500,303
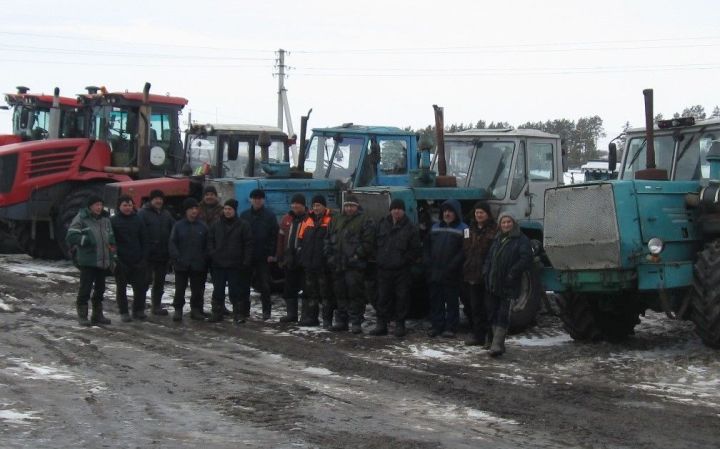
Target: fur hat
x,y
397,203
232,203
298,198
189,203
319,199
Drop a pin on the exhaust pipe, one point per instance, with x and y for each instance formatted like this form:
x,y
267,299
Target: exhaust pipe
x,y
302,144
649,129
440,139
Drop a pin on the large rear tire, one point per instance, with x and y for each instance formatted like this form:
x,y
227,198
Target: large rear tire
x,y
40,247
705,303
76,200
594,318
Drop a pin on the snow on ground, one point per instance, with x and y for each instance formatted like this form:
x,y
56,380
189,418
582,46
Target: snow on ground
x,y
14,417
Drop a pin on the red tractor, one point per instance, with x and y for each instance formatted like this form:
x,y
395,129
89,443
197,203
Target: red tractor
x,y
133,139
41,116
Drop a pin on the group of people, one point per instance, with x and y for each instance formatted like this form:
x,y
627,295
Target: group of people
x,y
325,258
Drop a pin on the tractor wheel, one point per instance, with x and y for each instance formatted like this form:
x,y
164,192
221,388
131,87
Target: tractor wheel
x,y
75,201
42,246
588,318
705,304
524,310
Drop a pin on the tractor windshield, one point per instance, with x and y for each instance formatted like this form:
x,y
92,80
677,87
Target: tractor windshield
x,y
491,168
458,156
690,159
334,157
32,123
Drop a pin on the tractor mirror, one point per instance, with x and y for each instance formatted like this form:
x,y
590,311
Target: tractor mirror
x,y
233,150
612,156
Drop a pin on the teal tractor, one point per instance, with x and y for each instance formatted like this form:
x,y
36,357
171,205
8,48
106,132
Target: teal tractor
x,y
510,169
648,240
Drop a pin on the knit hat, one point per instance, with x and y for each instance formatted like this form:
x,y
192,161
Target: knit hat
x,y
484,206
189,203
397,203
156,194
92,199
319,199
298,198
506,214
351,200
210,189
232,203
257,193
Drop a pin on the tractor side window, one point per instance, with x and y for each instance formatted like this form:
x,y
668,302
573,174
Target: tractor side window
x,y
202,151
121,135
705,142
40,124
692,161
636,158
520,175
393,157
160,136
541,162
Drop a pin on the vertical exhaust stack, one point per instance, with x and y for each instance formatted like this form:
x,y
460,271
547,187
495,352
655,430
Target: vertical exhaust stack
x,y
651,172
143,152
442,180
54,121
302,144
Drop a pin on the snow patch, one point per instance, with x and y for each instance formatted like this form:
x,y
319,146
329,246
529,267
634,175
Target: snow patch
x,y
318,371
544,341
425,352
5,307
42,372
16,417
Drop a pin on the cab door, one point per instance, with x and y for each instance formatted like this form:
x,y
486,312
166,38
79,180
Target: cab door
x,y
542,173
393,160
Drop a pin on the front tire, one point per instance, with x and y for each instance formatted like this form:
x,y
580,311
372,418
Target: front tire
x,y
524,309
705,304
76,200
595,318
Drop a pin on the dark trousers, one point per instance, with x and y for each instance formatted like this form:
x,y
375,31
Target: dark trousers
x,y
294,282
197,289
393,299
444,306
260,278
498,310
318,292
136,276
476,309
349,287
236,281
91,277
156,275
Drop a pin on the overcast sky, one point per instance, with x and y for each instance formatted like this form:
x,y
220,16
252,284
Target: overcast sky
x,y
375,62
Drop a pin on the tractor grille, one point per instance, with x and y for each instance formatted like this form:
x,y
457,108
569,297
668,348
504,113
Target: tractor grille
x,y
375,203
47,162
581,230
8,166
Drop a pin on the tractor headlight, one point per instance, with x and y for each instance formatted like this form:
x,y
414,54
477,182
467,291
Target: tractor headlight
x,y
655,245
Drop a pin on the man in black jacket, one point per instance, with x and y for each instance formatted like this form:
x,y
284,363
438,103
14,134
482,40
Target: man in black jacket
x,y
230,249
398,248
264,228
132,248
188,253
158,223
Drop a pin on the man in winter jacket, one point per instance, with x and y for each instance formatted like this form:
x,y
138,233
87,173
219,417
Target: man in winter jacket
x,y
132,250
444,256
90,235
349,246
264,227
397,243
210,208
158,223
318,283
510,255
288,255
188,254
230,249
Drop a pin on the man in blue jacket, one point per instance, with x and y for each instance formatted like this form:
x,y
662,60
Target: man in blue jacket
x,y
188,253
158,224
444,256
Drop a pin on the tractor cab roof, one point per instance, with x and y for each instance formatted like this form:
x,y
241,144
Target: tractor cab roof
x,y
679,123
38,100
349,128
102,97
499,133
211,129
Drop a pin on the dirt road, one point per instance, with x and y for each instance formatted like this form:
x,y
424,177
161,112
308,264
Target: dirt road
x,y
159,384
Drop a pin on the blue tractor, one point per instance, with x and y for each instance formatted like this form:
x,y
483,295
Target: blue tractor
x,y
648,240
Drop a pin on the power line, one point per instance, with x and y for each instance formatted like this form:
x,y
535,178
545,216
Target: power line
x,y
119,64
31,49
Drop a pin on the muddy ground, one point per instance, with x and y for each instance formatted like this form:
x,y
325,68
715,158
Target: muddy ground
x,y
159,384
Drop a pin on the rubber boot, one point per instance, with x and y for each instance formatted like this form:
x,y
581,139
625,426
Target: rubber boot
x,y
82,311
157,307
488,340
309,314
217,315
474,340
97,316
292,311
139,314
400,330
341,322
197,314
177,315
266,309
356,328
380,328
498,343
125,318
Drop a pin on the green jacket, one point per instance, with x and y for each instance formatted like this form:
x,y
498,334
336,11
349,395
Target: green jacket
x,y
350,242
92,240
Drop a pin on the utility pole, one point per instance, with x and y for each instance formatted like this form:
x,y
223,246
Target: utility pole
x,y
283,105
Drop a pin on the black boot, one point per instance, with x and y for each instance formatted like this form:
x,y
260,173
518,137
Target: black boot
x,y
177,315
292,311
197,314
82,311
97,316
157,307
216,316
400,328
498,343
380,328
139,314
356,328
474,340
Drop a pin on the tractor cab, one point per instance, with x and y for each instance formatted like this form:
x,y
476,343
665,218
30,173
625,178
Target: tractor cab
x,y
233,151
120,119
41,116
